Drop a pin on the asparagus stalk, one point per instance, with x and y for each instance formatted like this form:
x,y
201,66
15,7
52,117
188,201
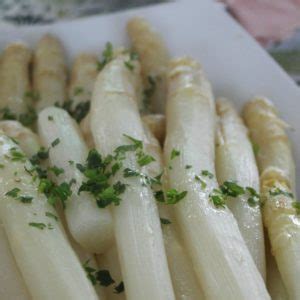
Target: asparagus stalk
x,y
37,241
154,59
89,225
49,72
277,179
12,285
83,76
220,257
182,273
235,163
114,112
14,78
275,284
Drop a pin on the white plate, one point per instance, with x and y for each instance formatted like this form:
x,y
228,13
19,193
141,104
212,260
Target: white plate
x,y
237,66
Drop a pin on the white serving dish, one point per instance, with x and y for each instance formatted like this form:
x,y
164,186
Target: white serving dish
x,y
237,66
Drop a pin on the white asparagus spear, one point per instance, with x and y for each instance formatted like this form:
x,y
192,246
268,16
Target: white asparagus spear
x,y
154,58
89,225
12,284
277,169
110,261
14,78
235,162
220,257
275,284
114,112
49,72
37,241
157,125
182,273
83,76
28,141
88,260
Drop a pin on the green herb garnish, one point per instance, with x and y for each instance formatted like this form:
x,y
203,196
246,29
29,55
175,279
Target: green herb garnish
x,y
13,193
164,221
40,226
174,153
207,174
55,142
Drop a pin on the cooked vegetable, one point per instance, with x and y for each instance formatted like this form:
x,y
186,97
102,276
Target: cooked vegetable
x,y
39,245
235,164
182,273
27,140
209,229
14,78
277,179
275,284
49,72
154,58
83,76
116,126
90,226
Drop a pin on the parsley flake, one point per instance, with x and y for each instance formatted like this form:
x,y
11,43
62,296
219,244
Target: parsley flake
x,y
40,226
55,142
174,153
164,221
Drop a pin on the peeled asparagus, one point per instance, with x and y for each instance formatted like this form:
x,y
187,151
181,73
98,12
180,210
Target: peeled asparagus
x,y
220,257
235,162
181,269
275,284
89,225
154,58
83,76
12,285
277,171
157,125
38,249
14,78
49,72
114,112
28,141
110,261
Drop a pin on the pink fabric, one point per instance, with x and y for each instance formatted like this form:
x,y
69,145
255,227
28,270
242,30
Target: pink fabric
x,y
267,20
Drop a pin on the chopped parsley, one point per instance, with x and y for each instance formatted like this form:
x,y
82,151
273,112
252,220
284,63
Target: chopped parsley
x,y
173,196
202,182
145,159
218,199
16,155
254,199
13,193
40,226
55,142
164,221
104,278
119,288
107,56
25,199
188,167
232,189
56,170
90,272
32,95
174,153
129,65
55,193
51,215
149,92
275,191
207,174
50,118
